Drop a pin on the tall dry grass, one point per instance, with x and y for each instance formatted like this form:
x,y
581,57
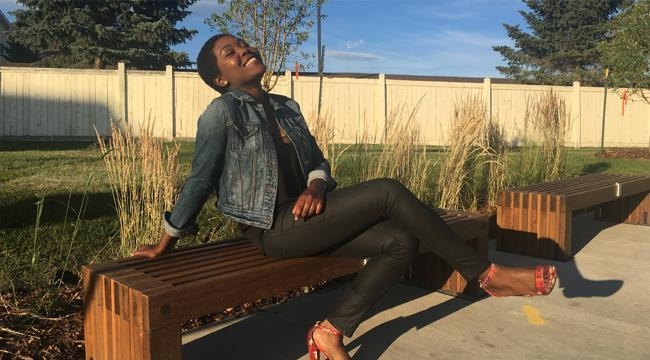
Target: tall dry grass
x,y
498,162
544,156
143,174
397,155
323,128
401,156
473,169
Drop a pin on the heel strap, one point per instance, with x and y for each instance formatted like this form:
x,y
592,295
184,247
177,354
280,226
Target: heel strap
x,y
327,329
486,282
545,277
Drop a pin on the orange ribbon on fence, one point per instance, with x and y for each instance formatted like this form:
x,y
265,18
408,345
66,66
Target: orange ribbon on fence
x,y
624,102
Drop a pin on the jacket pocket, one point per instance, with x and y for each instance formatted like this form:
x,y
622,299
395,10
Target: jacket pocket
x,y
245,138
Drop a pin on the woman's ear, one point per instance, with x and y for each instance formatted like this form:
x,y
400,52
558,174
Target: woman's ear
x,y
221,82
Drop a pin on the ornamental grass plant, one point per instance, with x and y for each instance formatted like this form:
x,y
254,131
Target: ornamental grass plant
x,y
473,167
543,156
144,178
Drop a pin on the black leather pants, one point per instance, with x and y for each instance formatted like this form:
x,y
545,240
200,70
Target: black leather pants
x,y
380,220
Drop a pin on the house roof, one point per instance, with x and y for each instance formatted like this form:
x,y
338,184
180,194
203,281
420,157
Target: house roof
x,y
4,22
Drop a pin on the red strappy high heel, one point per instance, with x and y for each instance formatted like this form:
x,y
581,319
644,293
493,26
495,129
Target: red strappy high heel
x,y
545,278
314,351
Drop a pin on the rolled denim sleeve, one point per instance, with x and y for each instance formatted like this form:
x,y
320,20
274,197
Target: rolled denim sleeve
x,y
207,166
320,166
322,171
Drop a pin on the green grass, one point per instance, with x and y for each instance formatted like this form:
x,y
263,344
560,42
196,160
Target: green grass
x,y
67,175
585,161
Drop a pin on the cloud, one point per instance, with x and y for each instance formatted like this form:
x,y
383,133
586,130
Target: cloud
x,y
456,39
353,44
349,55
203,9
470,38
452,16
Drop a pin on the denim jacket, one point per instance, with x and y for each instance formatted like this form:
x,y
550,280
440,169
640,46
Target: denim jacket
x,y
235,156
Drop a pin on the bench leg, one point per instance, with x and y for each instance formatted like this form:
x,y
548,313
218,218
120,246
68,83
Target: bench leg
x,y
113,324
430,272
534,225
634,209
163,344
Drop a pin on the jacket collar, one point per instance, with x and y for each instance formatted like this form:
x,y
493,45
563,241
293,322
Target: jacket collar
x,y
244,96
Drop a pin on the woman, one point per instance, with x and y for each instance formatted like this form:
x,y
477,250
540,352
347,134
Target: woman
x,y
254,149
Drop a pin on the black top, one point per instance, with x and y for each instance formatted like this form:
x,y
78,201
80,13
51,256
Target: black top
x,y
291,181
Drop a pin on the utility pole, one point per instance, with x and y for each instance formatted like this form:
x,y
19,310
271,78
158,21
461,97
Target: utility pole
x,y
602,133
321,54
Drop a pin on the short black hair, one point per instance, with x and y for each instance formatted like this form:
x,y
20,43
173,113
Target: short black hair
x,y
206,63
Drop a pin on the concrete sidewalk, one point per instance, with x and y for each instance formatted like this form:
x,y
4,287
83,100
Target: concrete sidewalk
x,y
599,310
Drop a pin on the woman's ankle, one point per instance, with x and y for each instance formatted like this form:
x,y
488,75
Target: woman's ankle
x,y
330,340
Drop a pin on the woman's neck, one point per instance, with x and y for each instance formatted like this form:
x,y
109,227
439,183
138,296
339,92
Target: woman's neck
x,y
256,91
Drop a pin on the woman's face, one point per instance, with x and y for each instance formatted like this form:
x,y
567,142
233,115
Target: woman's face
x,y
239,64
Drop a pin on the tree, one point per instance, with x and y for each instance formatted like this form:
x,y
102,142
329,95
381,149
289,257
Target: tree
x,y
563,44
100,33
276,27
17,53
627,53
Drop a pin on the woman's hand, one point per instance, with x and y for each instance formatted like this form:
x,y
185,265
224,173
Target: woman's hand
x,y
166,244
148,251
312,201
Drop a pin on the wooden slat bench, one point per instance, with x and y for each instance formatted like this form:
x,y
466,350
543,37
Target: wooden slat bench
x,y
536,220
134,308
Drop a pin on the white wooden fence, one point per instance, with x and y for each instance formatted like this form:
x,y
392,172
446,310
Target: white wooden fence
x,y
68,103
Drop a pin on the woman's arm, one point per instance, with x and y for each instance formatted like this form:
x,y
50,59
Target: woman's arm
x,y
207,166
319,180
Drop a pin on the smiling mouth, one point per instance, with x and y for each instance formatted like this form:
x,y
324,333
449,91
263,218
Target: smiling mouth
x,y
251,61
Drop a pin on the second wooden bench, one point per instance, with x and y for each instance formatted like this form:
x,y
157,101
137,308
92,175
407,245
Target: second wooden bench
x,y
536,220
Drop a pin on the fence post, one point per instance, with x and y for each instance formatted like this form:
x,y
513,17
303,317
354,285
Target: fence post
x,y
122,98
577,118
487,96
289,79
3,132
171,109
381,108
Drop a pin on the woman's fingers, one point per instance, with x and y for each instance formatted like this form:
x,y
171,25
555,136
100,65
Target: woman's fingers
x,y
313,208
307,206
297,207
319,207
146,251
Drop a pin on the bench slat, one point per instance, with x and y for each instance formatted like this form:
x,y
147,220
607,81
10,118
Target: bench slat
x,y
568,189
571,182
245,285
634,186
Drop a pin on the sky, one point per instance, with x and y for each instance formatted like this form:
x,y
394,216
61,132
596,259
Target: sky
x,y
405,37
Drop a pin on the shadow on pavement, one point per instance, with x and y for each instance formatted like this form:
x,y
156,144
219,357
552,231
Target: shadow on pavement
x,y
572,282
277,332
376,341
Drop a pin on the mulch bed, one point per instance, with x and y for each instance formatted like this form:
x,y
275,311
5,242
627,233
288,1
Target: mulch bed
x,y
625,153
27,334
